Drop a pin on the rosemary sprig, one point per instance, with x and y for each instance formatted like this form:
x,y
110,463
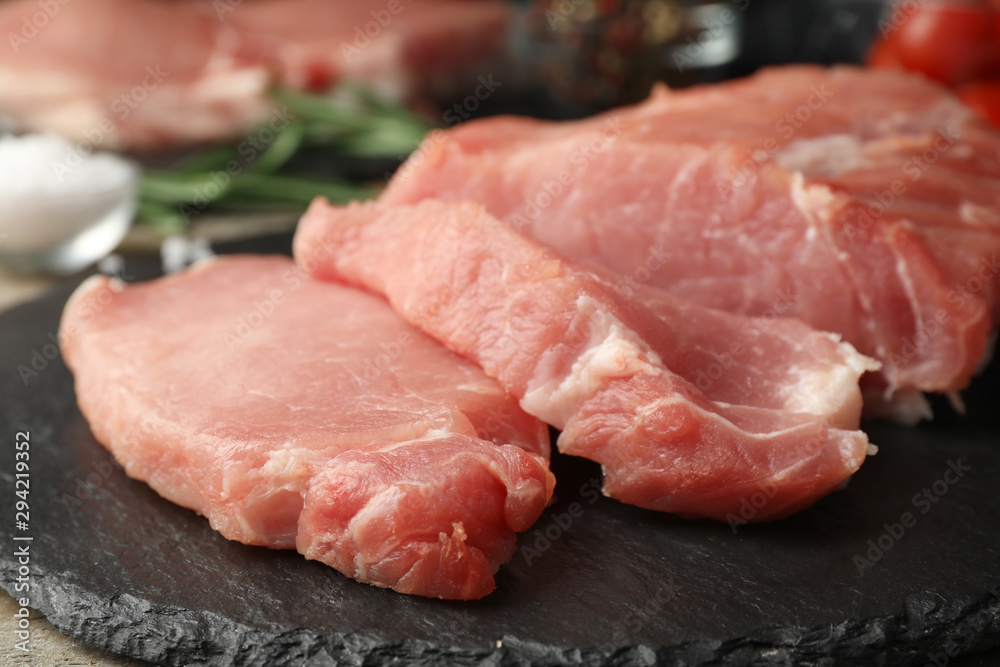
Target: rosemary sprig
x,y
352,122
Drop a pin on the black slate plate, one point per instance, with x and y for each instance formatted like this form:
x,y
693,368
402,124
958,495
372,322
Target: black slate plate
x,y
595,582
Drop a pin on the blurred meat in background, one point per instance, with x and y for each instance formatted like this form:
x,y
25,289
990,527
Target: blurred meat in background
x,y
142,74
257,106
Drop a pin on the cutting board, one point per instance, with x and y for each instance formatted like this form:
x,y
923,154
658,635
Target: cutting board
x,y
900,567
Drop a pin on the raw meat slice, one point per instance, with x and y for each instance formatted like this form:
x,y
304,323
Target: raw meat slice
x,y
870,197
112,73
144,89
653,388
293,413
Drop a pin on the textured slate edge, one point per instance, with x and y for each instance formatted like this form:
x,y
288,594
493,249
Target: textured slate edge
x,y
129,626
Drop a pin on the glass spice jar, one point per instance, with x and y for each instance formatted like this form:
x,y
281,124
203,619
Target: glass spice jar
x,y
595,54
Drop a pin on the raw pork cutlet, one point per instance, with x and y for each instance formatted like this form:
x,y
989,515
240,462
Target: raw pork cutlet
x,y
868,199
619,376
113,73
294,413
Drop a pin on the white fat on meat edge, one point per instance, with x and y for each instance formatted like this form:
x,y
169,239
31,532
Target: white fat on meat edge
x,y
837,385
611,351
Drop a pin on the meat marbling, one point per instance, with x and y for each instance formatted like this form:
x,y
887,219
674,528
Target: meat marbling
x,y
689,410
870,199
298,414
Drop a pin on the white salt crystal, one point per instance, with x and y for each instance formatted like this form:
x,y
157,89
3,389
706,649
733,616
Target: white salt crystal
x,y
53,195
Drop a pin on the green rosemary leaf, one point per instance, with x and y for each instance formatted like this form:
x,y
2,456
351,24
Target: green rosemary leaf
x,y
351,122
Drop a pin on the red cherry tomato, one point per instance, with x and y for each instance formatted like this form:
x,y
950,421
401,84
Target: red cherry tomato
x,y
996,6
983,97
950,42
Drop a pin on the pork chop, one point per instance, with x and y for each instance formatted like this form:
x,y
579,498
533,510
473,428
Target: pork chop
x,y
869,197
688,410
113,73
298,414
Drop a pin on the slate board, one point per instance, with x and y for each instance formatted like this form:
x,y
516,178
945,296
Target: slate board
x,y
122,569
